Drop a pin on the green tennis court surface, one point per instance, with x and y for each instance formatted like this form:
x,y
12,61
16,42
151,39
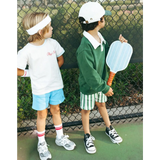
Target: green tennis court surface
x,y
130,149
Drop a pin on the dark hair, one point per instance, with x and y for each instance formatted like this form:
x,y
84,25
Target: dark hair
x,y
88,26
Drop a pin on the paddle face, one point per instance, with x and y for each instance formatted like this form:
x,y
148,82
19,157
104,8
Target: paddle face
x,y
119,55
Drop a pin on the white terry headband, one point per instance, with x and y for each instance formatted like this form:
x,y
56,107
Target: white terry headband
x,y
39,26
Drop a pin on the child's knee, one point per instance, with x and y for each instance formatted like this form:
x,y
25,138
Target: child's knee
x,y
55,109
85,111
42,114
100,105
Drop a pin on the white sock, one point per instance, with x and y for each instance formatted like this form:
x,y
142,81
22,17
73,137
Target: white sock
x,y
59,130
41,136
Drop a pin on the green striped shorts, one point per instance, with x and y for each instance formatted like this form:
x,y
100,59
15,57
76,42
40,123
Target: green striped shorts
x,y
87,102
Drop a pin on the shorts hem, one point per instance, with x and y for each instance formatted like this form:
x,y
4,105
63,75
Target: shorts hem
x,y
58,102
42,102
87,102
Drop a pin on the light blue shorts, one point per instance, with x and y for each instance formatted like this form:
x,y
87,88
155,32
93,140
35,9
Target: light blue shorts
x,y
41,102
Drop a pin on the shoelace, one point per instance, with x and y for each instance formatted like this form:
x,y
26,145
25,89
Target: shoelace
x,y
42,148
114,134
92,138
65,139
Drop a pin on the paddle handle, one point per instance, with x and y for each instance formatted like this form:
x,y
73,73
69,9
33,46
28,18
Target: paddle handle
x,y
110,79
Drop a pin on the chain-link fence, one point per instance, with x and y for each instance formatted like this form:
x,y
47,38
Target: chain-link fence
x,y
127,102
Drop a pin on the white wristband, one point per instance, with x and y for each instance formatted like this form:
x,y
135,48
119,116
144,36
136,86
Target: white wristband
x,y
26,73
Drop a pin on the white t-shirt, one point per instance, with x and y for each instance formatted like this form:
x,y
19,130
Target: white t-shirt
x,y
43,66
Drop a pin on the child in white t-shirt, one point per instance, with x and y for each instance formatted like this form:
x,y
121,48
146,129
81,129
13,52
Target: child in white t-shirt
x,y
44,56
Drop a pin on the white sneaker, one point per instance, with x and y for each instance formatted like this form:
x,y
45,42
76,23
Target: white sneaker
x,y
44,154
65,142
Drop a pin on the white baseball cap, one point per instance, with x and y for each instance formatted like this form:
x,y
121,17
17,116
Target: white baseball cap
x,y
92,12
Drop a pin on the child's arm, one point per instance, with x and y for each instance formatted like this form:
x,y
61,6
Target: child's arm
x,y
22,61
22,73
60,60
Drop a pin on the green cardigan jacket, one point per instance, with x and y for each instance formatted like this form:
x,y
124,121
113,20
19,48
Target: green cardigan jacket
x,y
94,72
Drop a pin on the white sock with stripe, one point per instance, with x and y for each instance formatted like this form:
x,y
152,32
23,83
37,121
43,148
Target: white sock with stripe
x,y
41,136
59,130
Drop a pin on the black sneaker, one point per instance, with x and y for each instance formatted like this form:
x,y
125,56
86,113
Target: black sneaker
x,y
113,135
88,143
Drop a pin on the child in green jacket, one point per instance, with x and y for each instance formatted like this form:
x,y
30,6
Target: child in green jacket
x,y
93,76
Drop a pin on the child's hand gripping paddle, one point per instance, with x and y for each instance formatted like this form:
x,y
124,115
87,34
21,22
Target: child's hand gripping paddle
x,y
118,57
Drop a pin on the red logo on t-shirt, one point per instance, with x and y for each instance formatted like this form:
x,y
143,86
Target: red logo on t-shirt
x,y
49,54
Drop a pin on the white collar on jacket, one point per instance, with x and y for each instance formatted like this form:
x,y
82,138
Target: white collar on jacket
x,y
93,41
